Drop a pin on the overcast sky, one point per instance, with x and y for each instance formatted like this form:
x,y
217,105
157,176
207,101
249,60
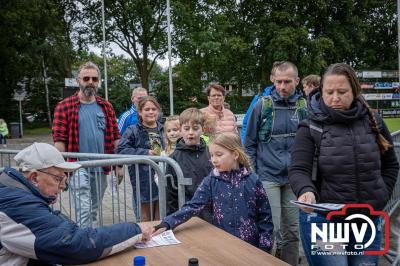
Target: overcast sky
x,y
118,51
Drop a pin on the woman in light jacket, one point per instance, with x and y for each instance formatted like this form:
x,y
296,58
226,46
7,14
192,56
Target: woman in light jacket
x,y
226,121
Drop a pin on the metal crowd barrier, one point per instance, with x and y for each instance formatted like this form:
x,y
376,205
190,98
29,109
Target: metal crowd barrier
x,y
182,181
119,203
396,136
392,208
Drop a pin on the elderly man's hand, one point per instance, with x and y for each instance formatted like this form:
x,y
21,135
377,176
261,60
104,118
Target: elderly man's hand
x,y
146,232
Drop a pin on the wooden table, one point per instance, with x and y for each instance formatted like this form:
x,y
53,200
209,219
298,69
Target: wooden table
x,y
211,245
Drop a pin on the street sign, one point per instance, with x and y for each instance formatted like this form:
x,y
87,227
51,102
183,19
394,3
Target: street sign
x,y
71,82
372,74
19,95
134,85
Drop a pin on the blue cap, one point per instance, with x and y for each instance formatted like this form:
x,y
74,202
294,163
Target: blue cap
x,y
139,261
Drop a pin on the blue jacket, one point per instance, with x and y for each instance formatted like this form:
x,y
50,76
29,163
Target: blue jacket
x,y
136,141
267,91
271,160
238,203
128,118
31,231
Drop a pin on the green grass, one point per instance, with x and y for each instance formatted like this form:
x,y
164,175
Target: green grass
x,y
38,131
393,124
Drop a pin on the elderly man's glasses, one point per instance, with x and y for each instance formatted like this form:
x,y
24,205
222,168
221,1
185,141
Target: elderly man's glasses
x,y
216,96
94,79
58,178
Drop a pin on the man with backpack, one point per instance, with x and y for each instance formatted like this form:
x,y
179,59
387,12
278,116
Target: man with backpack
x,y
269,137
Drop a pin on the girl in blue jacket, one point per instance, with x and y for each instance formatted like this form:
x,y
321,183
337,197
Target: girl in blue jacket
x,y
237,199
145,138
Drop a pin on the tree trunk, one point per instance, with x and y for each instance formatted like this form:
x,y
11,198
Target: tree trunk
x,y
144,76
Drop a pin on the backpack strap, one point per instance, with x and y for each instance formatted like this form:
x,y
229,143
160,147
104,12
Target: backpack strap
x,y
267,103
316,130
267,119
301,108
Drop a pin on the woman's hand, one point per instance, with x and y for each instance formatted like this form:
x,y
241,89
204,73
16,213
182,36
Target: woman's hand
x,y
146,232
151,152
307,197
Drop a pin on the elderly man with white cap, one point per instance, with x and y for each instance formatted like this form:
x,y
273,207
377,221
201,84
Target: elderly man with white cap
x,y
31,233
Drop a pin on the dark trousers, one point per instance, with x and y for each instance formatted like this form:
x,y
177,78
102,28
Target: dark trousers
x,y
3,139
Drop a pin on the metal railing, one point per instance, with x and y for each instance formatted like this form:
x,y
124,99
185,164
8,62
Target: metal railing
x,y
115,200
396,136
392,208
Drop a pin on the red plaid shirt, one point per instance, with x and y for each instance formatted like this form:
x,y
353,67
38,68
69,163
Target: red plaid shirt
x,y
66,125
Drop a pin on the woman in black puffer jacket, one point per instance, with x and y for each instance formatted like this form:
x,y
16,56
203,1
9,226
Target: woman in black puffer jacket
x,y
356,164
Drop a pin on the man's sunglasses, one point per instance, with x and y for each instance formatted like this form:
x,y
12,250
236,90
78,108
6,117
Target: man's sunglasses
x,y
94,79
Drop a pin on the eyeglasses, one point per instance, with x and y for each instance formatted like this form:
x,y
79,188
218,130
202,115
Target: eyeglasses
x,y
58,178
216,96
94,79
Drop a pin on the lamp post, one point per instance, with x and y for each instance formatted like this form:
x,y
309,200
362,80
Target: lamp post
x,y
19,95
104,51
171,94
398,38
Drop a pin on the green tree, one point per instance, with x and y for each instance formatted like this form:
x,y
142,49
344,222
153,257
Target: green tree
x,y
213,45
33,33
138,27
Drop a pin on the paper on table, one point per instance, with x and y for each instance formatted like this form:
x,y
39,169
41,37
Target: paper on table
x,y
319,206
164,239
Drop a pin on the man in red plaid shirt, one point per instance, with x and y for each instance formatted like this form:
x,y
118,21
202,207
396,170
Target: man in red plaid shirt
x,y
86,123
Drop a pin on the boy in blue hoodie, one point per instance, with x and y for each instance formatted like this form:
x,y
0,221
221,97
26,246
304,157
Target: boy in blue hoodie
x,y
191,153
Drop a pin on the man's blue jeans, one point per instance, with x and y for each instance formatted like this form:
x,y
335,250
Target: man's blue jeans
x,y
87,191
135,206
285,219
314,258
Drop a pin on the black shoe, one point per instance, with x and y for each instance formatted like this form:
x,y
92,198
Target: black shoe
x,y
278,253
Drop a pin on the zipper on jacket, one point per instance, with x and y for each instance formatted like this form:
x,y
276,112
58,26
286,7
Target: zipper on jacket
x,y
355,164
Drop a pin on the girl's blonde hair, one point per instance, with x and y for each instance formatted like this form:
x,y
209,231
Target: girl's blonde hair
x,y
231,141
170,120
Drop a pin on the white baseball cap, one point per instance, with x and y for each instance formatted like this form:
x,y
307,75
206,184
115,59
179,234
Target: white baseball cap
x,y
42,155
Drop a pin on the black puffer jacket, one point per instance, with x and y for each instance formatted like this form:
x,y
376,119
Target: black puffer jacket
x,y
194,161
351,168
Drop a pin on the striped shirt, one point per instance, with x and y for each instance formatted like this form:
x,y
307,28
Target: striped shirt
x,y
127,119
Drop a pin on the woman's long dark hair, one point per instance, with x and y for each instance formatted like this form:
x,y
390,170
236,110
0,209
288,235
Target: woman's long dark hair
x,y
343,69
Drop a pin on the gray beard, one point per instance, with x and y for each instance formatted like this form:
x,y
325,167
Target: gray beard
x,y
88,91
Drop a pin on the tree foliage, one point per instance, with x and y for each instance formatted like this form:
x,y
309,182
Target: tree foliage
x,y
236,42
33,33
231,42
138,27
